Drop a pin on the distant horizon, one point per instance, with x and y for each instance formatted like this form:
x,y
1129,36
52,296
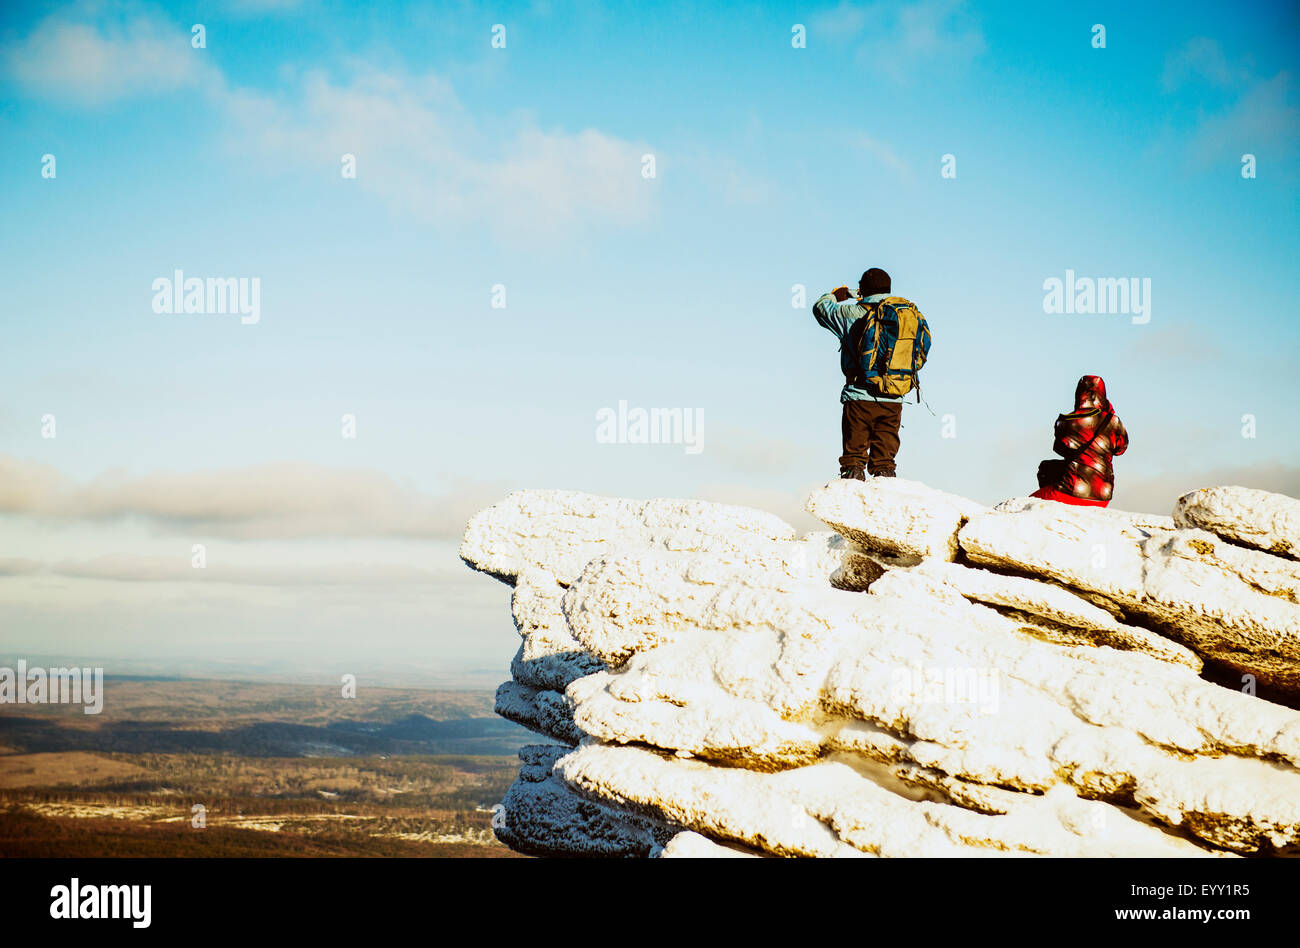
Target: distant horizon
x,y
474,680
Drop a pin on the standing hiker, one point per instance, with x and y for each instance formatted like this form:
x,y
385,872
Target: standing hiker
x,y
1086,439
884,341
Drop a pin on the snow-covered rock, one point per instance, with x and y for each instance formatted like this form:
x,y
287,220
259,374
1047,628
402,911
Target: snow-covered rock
x,y
1268,522
1054,613
1235,605
1145,522
726,689
543,816
560,530
750,679
835,808
544,710
549,657
893,517
691,845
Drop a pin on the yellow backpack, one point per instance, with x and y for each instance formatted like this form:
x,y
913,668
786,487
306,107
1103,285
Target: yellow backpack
x,y
890,343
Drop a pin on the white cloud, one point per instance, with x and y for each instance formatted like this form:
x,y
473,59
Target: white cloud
x,y
720,174
254,7
1174,343
131,567
418,151
842,22
1264,118
19,566
1258,115
85,63
883,154
266,501
899,38
1158,493
415,148
1201,59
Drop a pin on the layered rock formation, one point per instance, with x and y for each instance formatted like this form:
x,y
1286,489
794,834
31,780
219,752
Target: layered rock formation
x,y
933,678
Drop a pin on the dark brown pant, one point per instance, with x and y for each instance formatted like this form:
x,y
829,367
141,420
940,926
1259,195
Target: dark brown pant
x,y
870,436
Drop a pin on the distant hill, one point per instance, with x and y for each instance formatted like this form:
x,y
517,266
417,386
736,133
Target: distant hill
x,y
265,720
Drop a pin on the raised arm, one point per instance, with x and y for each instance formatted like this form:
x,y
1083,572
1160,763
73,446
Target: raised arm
x,y
836,311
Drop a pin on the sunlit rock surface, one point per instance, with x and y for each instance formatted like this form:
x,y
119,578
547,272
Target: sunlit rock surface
x,y
560,531
1268,522
892,516
725,689
1230,603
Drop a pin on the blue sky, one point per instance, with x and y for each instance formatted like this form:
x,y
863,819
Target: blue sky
x,y
477,166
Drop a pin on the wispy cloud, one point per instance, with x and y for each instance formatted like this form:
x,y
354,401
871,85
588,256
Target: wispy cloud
x,y
131,567
417,150
1258,114
900,38
1157,494
1265,117
1174,342
254,7
883,154
71,59
267,501
723,175
1201,59
19,566
414,147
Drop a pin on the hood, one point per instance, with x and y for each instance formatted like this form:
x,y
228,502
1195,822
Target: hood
x,y
1090,394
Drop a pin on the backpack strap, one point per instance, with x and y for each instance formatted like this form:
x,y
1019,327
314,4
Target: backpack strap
x,y
854,335
1079,452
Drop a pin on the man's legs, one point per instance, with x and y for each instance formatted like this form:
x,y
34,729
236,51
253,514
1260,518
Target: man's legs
x,y
885,418
856,428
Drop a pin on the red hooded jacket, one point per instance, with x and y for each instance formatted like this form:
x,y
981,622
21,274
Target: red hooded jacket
x,y
1089,478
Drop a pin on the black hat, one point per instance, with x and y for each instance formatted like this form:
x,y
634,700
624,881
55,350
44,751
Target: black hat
x,y
874,281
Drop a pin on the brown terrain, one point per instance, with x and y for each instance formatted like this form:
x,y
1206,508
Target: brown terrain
x,y
277,770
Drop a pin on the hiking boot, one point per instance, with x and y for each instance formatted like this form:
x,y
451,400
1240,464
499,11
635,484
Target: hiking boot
x,y
853,474
884,474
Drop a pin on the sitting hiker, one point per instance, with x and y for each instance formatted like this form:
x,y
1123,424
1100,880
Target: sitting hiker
x,y
884,341
1086,439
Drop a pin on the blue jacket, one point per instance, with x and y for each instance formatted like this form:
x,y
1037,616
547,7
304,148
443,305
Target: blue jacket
x,y
838,317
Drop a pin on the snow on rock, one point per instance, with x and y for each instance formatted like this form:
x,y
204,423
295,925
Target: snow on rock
x,y
691,845
1268,522
1236,605
1055,613
719,688
549,657
893,517
560,530
837,808
543,710
543,816
754,681
1146,522
638,600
